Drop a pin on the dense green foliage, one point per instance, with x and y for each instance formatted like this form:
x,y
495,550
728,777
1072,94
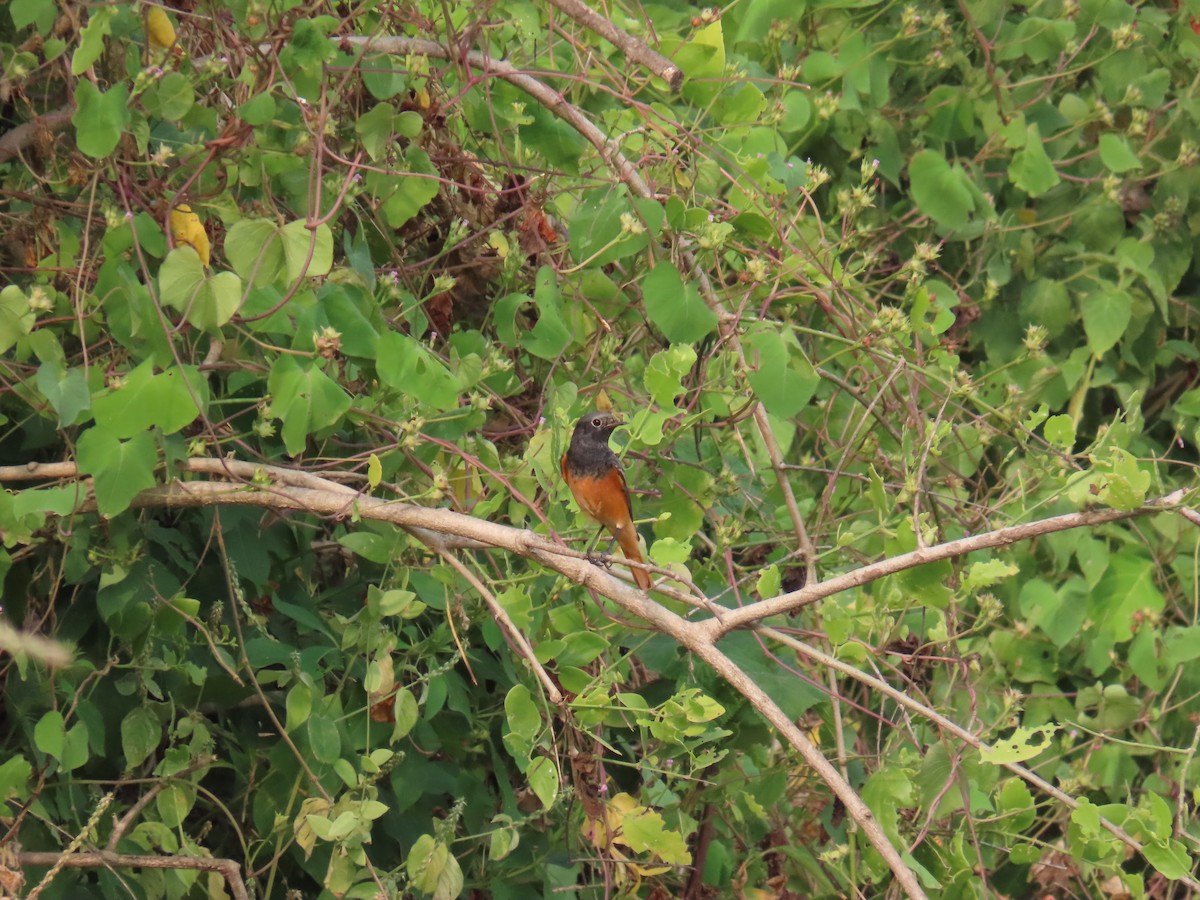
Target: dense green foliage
x,y
950,252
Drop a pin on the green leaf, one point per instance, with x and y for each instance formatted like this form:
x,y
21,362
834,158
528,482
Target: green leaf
x,y
263,253
174,803
433,870
1060,431
305,399
755,18
1031,169
543,779
1116,155
324,738
1086,817
121,469
321,826
1015,802
550,336
987,573
742,105
75,748
794,697
143,400
405,708
504,840
1106,315
645,831
797,112
1169,857
67,391
99,118
258,110
50,734
15,773
394,602
885,791
769,582
382,78
781,376
409,367
16,316
207,300
1024,743
1058,613
375,129
665,372
171,98
301,262
1181,644
600,231
702,59
1126,595
409,124
91,39
30,12
254,249
522,713
581,647
939,190
1126,484
404,194
298,705
677,309
1107,708
1038,39
140,735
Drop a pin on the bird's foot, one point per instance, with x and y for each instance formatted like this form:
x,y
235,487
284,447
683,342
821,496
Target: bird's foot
x,y
603,560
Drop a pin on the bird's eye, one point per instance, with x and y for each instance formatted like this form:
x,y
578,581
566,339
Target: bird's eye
x,y
596,422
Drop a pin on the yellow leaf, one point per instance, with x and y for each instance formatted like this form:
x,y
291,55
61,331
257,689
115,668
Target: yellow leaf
x,y
498,242
159,29
186,228
306,838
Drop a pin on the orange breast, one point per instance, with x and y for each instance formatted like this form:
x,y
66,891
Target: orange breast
x,y
604,498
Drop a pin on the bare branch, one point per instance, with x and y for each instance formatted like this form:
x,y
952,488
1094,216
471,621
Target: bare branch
x,y
15,140
227,868
1001,537
633,48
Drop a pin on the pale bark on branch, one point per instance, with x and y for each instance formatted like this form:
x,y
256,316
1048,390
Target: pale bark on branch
x,y
93,859
319,496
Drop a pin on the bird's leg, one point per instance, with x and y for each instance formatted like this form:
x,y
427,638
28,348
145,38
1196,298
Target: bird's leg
x,y
603,559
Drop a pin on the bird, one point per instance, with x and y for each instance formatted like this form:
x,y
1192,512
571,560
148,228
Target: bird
x,y
593,473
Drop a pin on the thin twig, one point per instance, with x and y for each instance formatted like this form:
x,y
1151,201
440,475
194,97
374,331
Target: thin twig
x,y
122,824
514,635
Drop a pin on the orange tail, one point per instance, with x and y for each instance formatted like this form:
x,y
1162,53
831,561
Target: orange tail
x,y
627,538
